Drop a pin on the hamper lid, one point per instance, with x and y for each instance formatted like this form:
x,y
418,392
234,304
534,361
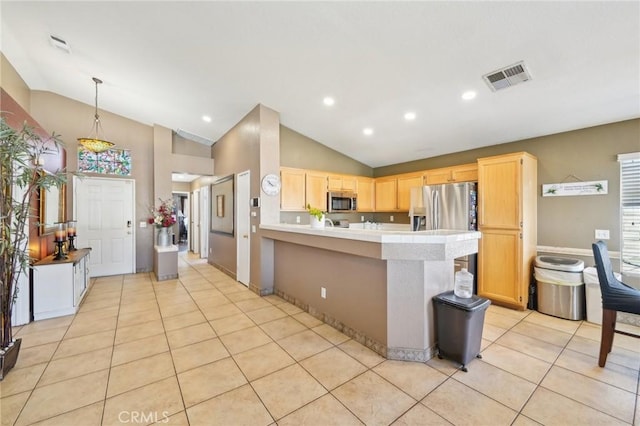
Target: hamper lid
x,y
472,303
557,263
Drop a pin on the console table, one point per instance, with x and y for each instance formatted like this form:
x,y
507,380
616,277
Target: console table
x,y
60,285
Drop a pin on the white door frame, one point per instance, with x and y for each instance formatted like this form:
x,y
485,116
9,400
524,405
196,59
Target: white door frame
x,y
204,221
195,221
243,225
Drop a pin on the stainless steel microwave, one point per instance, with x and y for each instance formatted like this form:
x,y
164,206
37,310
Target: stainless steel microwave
x,y
342,202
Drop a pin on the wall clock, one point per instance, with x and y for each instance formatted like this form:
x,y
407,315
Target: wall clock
x,y
271,184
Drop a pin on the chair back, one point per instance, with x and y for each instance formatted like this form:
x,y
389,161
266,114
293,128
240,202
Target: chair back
x,y
616,295
604,268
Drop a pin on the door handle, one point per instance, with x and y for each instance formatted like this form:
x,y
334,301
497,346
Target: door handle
x,y
245,236
129,224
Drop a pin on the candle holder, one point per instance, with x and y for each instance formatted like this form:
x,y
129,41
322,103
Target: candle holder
x,y
71,234
60,237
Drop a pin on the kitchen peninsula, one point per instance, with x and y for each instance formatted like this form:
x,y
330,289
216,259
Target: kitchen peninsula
x,y
375,286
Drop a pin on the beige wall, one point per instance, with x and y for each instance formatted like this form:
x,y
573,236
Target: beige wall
x,y
14,85
301,270
188,147
588,154
72,119
237,151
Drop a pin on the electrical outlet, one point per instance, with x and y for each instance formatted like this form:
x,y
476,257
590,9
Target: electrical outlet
x,y
391,218
602,234
323,292
297,219
361,218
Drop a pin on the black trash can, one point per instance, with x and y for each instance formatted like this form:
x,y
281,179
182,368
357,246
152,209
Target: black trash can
x,y
459,323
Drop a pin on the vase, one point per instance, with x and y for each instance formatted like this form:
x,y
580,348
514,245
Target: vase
x,y
163,237
8,357
316,223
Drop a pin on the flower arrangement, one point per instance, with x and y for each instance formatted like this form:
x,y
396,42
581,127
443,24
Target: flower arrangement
x,y
313,211
163,217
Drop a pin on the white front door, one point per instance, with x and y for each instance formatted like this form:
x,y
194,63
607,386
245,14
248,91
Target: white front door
x,y
243,225
195,222
104,209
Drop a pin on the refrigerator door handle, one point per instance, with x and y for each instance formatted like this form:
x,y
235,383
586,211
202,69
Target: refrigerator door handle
x,y
436,209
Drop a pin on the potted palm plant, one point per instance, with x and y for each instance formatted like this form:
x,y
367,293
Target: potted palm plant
x,y
22,153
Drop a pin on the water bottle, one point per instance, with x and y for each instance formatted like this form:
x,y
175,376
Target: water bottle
x,y
463,285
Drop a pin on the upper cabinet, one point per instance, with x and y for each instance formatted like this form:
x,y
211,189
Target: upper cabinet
x,y
405,183
292,192
301,187
366,194
384,194
342,183
316,189
386,191
463,173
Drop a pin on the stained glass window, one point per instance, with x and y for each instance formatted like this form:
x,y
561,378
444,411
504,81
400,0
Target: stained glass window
x,y
110,162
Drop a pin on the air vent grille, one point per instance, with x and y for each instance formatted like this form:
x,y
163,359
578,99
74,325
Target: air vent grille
x,y
59,43
507,76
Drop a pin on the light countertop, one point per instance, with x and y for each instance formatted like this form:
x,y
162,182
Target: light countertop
x,y
390,233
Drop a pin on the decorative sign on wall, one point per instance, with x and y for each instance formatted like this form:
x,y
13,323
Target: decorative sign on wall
x,y
596,187
110,162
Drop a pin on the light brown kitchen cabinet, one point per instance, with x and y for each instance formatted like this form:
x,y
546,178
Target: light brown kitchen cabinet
x,y
405,183
292,192
344,183
386,192
462,173
366,194
316,189
507,218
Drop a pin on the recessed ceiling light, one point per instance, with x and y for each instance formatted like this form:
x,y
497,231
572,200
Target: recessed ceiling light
x,y
329,101
409,116
468,95
206,118
367,131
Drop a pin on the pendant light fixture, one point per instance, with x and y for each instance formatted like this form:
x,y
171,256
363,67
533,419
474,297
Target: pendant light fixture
x,y
94,143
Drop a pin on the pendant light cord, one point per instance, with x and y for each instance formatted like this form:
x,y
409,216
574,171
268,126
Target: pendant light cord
x,y
97,81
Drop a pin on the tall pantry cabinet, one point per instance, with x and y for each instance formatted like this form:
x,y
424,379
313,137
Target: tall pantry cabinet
x,y
507,218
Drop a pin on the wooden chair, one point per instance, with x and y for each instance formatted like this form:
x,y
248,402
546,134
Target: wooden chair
x,y
616,297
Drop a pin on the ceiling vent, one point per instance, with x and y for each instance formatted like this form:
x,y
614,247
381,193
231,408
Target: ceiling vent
x,y
59,43
507,76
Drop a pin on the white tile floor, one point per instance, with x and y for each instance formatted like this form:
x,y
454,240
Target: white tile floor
x,y
204,350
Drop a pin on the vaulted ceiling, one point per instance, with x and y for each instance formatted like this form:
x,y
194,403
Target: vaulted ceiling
x,y
173,62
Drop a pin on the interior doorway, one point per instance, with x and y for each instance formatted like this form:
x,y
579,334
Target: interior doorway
x,y
183,214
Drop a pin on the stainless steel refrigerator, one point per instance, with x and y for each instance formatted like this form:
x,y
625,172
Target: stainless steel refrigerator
x,y
450,206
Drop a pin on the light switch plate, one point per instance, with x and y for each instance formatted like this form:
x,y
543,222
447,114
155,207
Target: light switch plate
x,y
602,234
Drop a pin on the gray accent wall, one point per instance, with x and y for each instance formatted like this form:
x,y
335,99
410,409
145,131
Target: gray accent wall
x,y
297,150
586,154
